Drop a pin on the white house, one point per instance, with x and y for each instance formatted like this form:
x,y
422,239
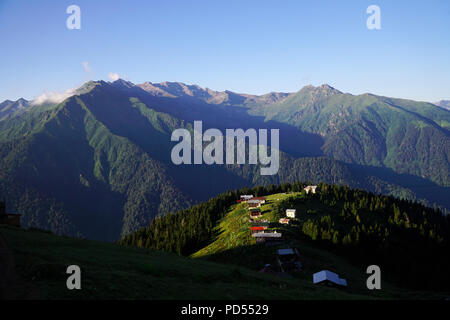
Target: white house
x,y
257,201
246,197
290,213
326,276
261,200
310,188
267,237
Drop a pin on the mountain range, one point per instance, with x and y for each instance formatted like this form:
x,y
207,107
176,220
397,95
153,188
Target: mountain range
x,y
97,165
9,107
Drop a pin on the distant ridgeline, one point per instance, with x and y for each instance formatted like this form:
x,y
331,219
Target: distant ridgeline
x,y
410,242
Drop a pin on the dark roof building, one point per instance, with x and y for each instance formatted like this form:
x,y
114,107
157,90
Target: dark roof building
x,y
8,218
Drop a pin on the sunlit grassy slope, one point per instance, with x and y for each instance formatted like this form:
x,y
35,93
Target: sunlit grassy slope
x,y
234,229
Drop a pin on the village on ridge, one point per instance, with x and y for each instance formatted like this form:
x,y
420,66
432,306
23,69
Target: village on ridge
x,y
288,259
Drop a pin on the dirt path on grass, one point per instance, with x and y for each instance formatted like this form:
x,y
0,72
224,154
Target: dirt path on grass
x,y
12,287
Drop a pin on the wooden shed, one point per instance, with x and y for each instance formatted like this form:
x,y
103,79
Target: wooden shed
x,y
8,218
255,214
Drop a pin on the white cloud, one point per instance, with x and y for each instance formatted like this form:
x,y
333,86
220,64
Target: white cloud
x,y
53,97
86,66
113,76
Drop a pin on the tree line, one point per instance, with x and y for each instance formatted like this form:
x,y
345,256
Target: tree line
x,y
409,241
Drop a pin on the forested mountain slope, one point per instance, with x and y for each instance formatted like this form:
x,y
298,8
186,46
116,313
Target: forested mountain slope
x,y
98,164
408,136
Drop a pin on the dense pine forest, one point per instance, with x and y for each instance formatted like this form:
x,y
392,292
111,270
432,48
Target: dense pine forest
x,y
408,240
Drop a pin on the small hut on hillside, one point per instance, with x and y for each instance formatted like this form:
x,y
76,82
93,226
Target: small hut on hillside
x,y
328,278
8,218
254,204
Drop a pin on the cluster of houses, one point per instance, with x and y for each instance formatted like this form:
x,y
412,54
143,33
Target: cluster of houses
x,y
290,214
288,258
259,227
259,232
254,205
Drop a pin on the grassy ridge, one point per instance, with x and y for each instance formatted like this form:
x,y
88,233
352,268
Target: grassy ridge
x,y
233,230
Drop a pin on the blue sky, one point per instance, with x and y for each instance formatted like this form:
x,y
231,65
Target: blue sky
x,y
244,46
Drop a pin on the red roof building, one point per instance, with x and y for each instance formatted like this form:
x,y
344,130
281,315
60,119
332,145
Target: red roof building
x,y
261,228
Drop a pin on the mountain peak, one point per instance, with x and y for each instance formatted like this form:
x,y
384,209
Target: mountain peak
x,y
154,89
120,83
88,86
324,90
327,87
8,107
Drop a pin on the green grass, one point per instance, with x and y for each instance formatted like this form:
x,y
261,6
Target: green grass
x,y
113,272
234,229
